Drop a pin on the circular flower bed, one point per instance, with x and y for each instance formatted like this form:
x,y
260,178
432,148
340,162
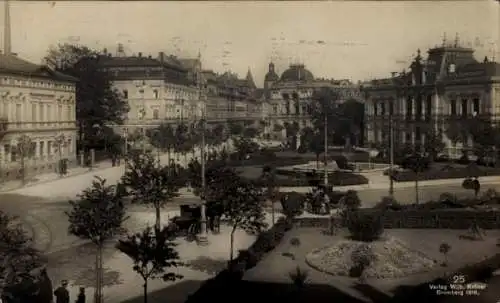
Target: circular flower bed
x,y
392,259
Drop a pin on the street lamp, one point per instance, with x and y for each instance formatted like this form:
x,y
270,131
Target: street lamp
x,y
325,130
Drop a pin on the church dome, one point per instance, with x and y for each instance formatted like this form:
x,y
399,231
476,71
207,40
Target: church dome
x,y
297,72
271,76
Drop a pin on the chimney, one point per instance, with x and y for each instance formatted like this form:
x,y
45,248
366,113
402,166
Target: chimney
x,y
149,57
105,51
161,57
139,54
7,48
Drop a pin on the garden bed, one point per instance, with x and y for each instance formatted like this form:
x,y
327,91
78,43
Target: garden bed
x,y
446,172
336,178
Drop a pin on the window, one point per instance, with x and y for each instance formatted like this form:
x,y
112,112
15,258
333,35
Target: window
x,y
18,113
464,107
453,107
475,105
59,113
49,113
156,114
125,94
391,108
70,146
6,149
6,109
382,108
68,113
41,144
409,107
49,148
155,92
13,154
41,108
33,112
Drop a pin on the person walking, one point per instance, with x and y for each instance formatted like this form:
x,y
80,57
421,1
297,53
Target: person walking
x,y
81,296
61,293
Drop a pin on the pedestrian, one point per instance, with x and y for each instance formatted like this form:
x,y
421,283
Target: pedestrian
x,y
81,296
61,293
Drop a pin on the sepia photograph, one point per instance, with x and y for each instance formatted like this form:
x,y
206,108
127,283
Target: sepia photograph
x,y
238,151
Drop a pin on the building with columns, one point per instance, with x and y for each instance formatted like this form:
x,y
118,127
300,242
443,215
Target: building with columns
x,y
37,102
288,100
449,84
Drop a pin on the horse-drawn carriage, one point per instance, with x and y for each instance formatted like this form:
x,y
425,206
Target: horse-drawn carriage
x,y
188,223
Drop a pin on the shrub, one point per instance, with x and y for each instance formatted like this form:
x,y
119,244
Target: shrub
x,y
295,242
361,257
366,227
302,149
313,179
292,204
351,200
388,203
341,161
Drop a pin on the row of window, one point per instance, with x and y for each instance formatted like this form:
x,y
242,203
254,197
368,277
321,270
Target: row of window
x,y
36,83
40,112
379,108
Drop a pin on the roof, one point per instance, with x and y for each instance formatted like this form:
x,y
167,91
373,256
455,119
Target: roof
x,y
189,63
11,64
297,72
134,61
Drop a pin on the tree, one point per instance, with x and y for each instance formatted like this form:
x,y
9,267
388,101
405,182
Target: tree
x,y
97,102
150,183
20,260
434,143
235,128
317,145
417,164
250,132
97,215
353,114
240,201
162,138
60,143
325,107
182,142
268,178
152,253
26,149
444,248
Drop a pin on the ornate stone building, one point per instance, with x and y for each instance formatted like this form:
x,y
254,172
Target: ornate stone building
x,y
289,99
38,103
449,84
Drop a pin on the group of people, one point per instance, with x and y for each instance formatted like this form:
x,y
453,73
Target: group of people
x,y
62,294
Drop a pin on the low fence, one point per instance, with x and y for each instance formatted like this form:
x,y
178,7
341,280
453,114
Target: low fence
x,y
436,219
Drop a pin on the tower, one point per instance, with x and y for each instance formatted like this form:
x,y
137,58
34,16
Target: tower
x,y
7,48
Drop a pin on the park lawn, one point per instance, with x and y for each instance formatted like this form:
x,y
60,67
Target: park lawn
x,y
275,267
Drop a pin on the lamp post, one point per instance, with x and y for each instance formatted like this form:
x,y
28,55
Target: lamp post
x,y
391,153
325,130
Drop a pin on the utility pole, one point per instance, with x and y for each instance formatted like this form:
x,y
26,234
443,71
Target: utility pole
x,y
326,150
203,237
391,154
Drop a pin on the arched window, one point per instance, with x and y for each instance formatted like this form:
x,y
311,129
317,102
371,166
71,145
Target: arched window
x,y
156,114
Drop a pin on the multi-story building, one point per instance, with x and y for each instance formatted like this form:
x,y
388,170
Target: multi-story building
x,y
157,89
289,100
38,103
449,85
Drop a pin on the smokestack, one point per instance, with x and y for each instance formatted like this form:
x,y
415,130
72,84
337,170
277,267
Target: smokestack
x,y
139,54
161,57
7,48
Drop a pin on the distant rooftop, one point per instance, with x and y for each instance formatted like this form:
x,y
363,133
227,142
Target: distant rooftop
x,y
11,64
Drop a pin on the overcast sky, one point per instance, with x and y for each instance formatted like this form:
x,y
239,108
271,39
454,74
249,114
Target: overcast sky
x,y
356,40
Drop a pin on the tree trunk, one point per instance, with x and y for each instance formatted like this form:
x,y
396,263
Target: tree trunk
x,y
145,288
23,171
98,275
272,211
232,244
416,189
158,217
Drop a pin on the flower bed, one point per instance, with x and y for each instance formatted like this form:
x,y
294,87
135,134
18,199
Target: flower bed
x,y
392,259
337,178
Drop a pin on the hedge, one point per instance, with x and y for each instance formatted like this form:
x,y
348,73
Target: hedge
x,y
450,173
261,160
337,178
435,219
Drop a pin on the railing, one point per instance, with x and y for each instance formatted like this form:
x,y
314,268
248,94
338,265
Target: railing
x,y
17,126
